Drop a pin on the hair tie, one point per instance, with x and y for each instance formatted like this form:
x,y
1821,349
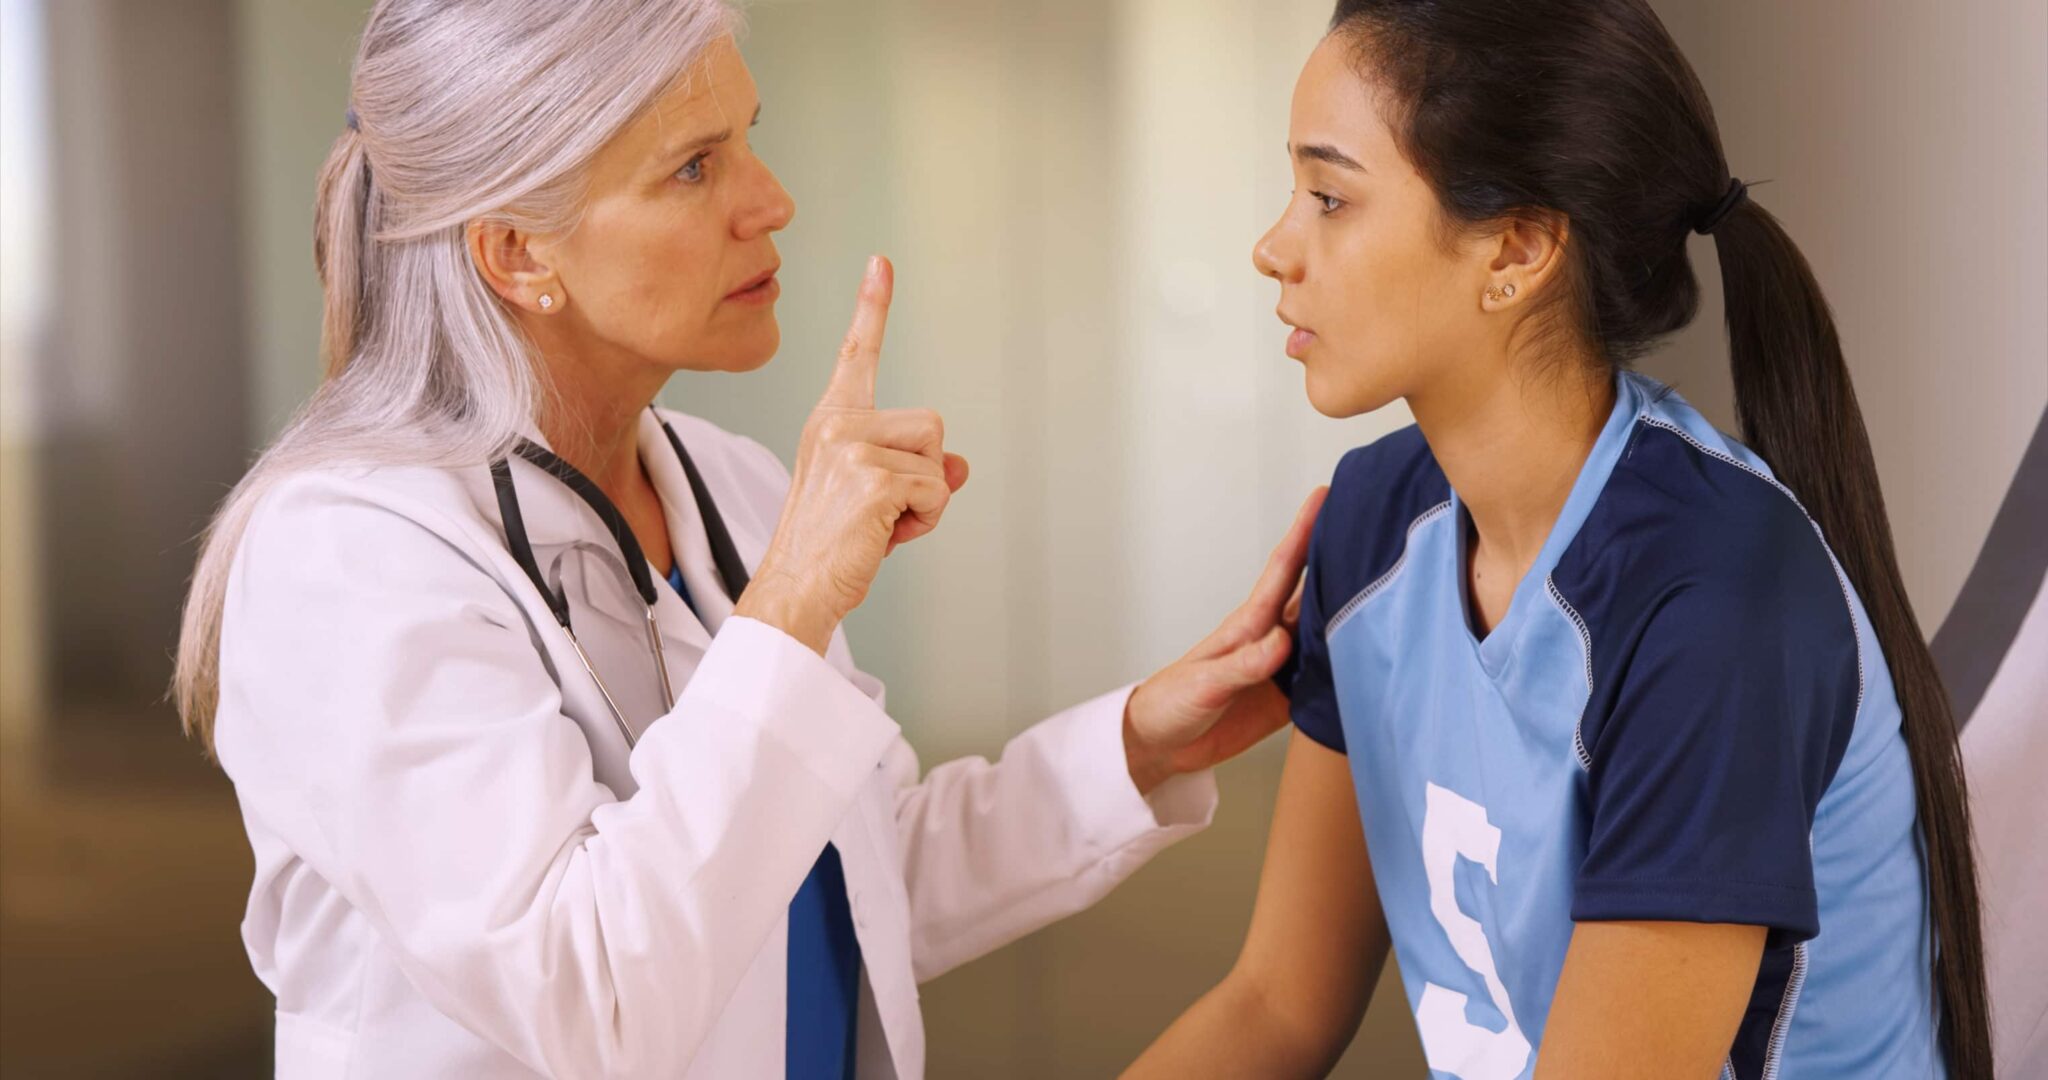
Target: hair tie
x,y
350,119
1711,220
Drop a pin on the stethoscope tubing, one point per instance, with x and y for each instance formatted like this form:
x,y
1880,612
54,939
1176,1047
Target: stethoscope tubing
x,y
725,556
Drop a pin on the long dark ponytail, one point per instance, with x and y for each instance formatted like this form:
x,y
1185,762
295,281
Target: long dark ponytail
x,y
1799,413
1587,110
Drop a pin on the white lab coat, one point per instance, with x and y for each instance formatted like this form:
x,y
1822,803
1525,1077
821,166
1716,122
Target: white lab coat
x,y
462,871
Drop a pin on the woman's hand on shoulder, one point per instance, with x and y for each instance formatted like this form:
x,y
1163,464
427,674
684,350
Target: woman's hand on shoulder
x,y
1219,699
865,480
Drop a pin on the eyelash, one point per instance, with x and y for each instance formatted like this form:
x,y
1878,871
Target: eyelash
x,y
696,163
1326,200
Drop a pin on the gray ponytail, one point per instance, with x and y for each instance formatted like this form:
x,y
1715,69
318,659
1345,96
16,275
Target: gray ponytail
x,y
340,225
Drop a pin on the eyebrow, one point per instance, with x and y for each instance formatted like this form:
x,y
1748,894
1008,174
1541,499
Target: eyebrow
x,y
1328,155
700,142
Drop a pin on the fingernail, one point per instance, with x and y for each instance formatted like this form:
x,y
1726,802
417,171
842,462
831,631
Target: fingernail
x,y
874,265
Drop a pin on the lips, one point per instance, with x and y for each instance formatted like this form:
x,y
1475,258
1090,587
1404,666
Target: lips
x,y
1299,341
755,286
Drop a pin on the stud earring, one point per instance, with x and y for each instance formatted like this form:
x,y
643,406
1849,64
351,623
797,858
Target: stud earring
x,y
1502,292
546,301
1508,290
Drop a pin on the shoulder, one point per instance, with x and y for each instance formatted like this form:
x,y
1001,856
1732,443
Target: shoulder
x,y
1695,512
1697,571
321,535
1395,471
338,567
1380,493
317,507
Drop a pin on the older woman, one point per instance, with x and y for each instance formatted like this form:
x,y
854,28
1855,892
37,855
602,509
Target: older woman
x,y
519,805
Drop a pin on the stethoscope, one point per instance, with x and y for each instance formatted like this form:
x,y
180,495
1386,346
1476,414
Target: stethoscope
x,y
732,572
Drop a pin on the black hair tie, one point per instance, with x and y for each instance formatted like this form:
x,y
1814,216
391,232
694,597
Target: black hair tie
x,y
1711,220
350,118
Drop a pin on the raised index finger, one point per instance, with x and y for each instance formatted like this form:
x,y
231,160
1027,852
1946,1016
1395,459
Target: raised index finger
x,y
853,378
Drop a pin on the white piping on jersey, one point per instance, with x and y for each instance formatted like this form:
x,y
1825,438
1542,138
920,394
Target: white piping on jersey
x,y
1586,650
1380,583
1774,1056
1788,1001
1841,579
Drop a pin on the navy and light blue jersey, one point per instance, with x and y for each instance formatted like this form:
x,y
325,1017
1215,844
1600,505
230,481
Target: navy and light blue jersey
x,y
1683,716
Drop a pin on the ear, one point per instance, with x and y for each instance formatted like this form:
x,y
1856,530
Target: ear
x,y
506,259
1528,256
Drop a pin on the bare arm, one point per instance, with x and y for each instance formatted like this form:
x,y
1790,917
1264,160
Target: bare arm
x,y
1649,999
1317,942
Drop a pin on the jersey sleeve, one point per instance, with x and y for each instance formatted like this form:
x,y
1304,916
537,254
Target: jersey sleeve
x,y
1361,533
1708,753
1306,677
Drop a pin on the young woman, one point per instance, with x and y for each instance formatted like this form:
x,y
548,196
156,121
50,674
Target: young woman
x,y
1619,731
518,806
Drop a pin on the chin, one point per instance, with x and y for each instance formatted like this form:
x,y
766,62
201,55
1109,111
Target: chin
x,y
754,358
1323,404
1344,400
1341,399
735,354
758,346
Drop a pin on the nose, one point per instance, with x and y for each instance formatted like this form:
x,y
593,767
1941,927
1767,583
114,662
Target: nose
x,y
1277,255
764,207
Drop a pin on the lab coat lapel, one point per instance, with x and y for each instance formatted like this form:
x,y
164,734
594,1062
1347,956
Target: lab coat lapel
x,y
687,540
881,920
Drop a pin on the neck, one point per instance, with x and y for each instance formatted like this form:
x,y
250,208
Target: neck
x,y
592,421
1513,447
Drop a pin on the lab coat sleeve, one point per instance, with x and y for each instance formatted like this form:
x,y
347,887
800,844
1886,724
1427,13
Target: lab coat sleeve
x,y
994,851
384,710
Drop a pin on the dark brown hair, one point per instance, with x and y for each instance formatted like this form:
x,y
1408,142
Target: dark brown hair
x,y
1585,110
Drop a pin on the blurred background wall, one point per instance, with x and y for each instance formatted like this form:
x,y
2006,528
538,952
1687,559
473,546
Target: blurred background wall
x,y
1070,189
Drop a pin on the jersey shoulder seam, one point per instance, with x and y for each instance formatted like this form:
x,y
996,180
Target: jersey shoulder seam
x,y
1379,584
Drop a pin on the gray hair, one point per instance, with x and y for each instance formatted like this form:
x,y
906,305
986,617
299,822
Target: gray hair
x,y
478,109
